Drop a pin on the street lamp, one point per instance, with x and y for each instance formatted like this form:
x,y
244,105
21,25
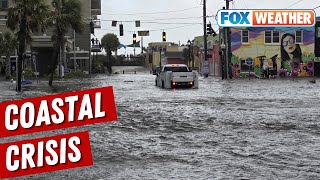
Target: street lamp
x,y
223,47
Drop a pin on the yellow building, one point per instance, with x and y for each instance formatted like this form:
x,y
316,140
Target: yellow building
x,y
157,48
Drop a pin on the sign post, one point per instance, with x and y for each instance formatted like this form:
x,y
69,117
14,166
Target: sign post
x,y
205,68
249,63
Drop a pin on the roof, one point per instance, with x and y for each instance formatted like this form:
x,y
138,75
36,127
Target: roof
x,y
176,65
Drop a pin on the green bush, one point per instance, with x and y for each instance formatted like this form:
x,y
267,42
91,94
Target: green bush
x,y
75,74
28,73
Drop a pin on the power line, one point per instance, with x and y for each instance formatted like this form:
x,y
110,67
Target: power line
x,y
157,12
178,27
155,22
160,19
162,29
316,7
150,22
173,18
294,3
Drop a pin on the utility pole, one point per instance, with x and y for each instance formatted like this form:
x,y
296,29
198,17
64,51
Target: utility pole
x,y
228,47
205,62
221,39
141,44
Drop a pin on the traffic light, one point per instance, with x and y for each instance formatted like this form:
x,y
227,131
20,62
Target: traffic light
x,y
114,23
121,29
164,37
92,27
137,23
210,30
134,38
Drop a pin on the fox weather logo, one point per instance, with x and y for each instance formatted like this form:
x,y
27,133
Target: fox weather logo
x,y
265,18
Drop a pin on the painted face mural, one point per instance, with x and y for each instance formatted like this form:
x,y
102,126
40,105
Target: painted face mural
x,y
289,44
290,51
283,51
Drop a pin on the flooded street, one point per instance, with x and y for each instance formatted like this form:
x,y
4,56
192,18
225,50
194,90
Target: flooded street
x,y
236,129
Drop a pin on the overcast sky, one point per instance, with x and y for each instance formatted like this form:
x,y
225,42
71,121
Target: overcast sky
x,y
181,19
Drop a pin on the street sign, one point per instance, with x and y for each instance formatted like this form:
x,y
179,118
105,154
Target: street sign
x,y
205,67
143,33
205,70
249,61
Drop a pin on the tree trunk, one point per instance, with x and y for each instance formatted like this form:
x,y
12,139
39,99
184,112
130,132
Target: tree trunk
x,y
22,48
8,67
19,66
63,55
110,61
54,64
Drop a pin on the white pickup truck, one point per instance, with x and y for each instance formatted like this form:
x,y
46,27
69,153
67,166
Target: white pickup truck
x,y
177,75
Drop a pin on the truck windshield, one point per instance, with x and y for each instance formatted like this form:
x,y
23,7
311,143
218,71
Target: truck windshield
x,y
176,69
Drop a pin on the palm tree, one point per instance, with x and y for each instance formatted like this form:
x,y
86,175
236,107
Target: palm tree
x,y
8,44
26,17
110,42
66,15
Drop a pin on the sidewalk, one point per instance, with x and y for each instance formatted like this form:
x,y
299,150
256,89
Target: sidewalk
x,y
8,90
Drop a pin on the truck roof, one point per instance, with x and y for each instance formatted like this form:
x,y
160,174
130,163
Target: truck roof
x,y
175,65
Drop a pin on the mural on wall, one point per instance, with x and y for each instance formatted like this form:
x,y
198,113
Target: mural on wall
x,y
276,51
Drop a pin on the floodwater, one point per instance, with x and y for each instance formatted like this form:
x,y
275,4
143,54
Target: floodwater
x,y
235,129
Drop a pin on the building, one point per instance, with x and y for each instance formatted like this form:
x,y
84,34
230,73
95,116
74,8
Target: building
x,y
157,51
78,46
281,51
175,57
317,47
213,54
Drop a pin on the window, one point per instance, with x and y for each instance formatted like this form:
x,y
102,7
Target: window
x,y
244,36
271,37
176,69
299,37
3,4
